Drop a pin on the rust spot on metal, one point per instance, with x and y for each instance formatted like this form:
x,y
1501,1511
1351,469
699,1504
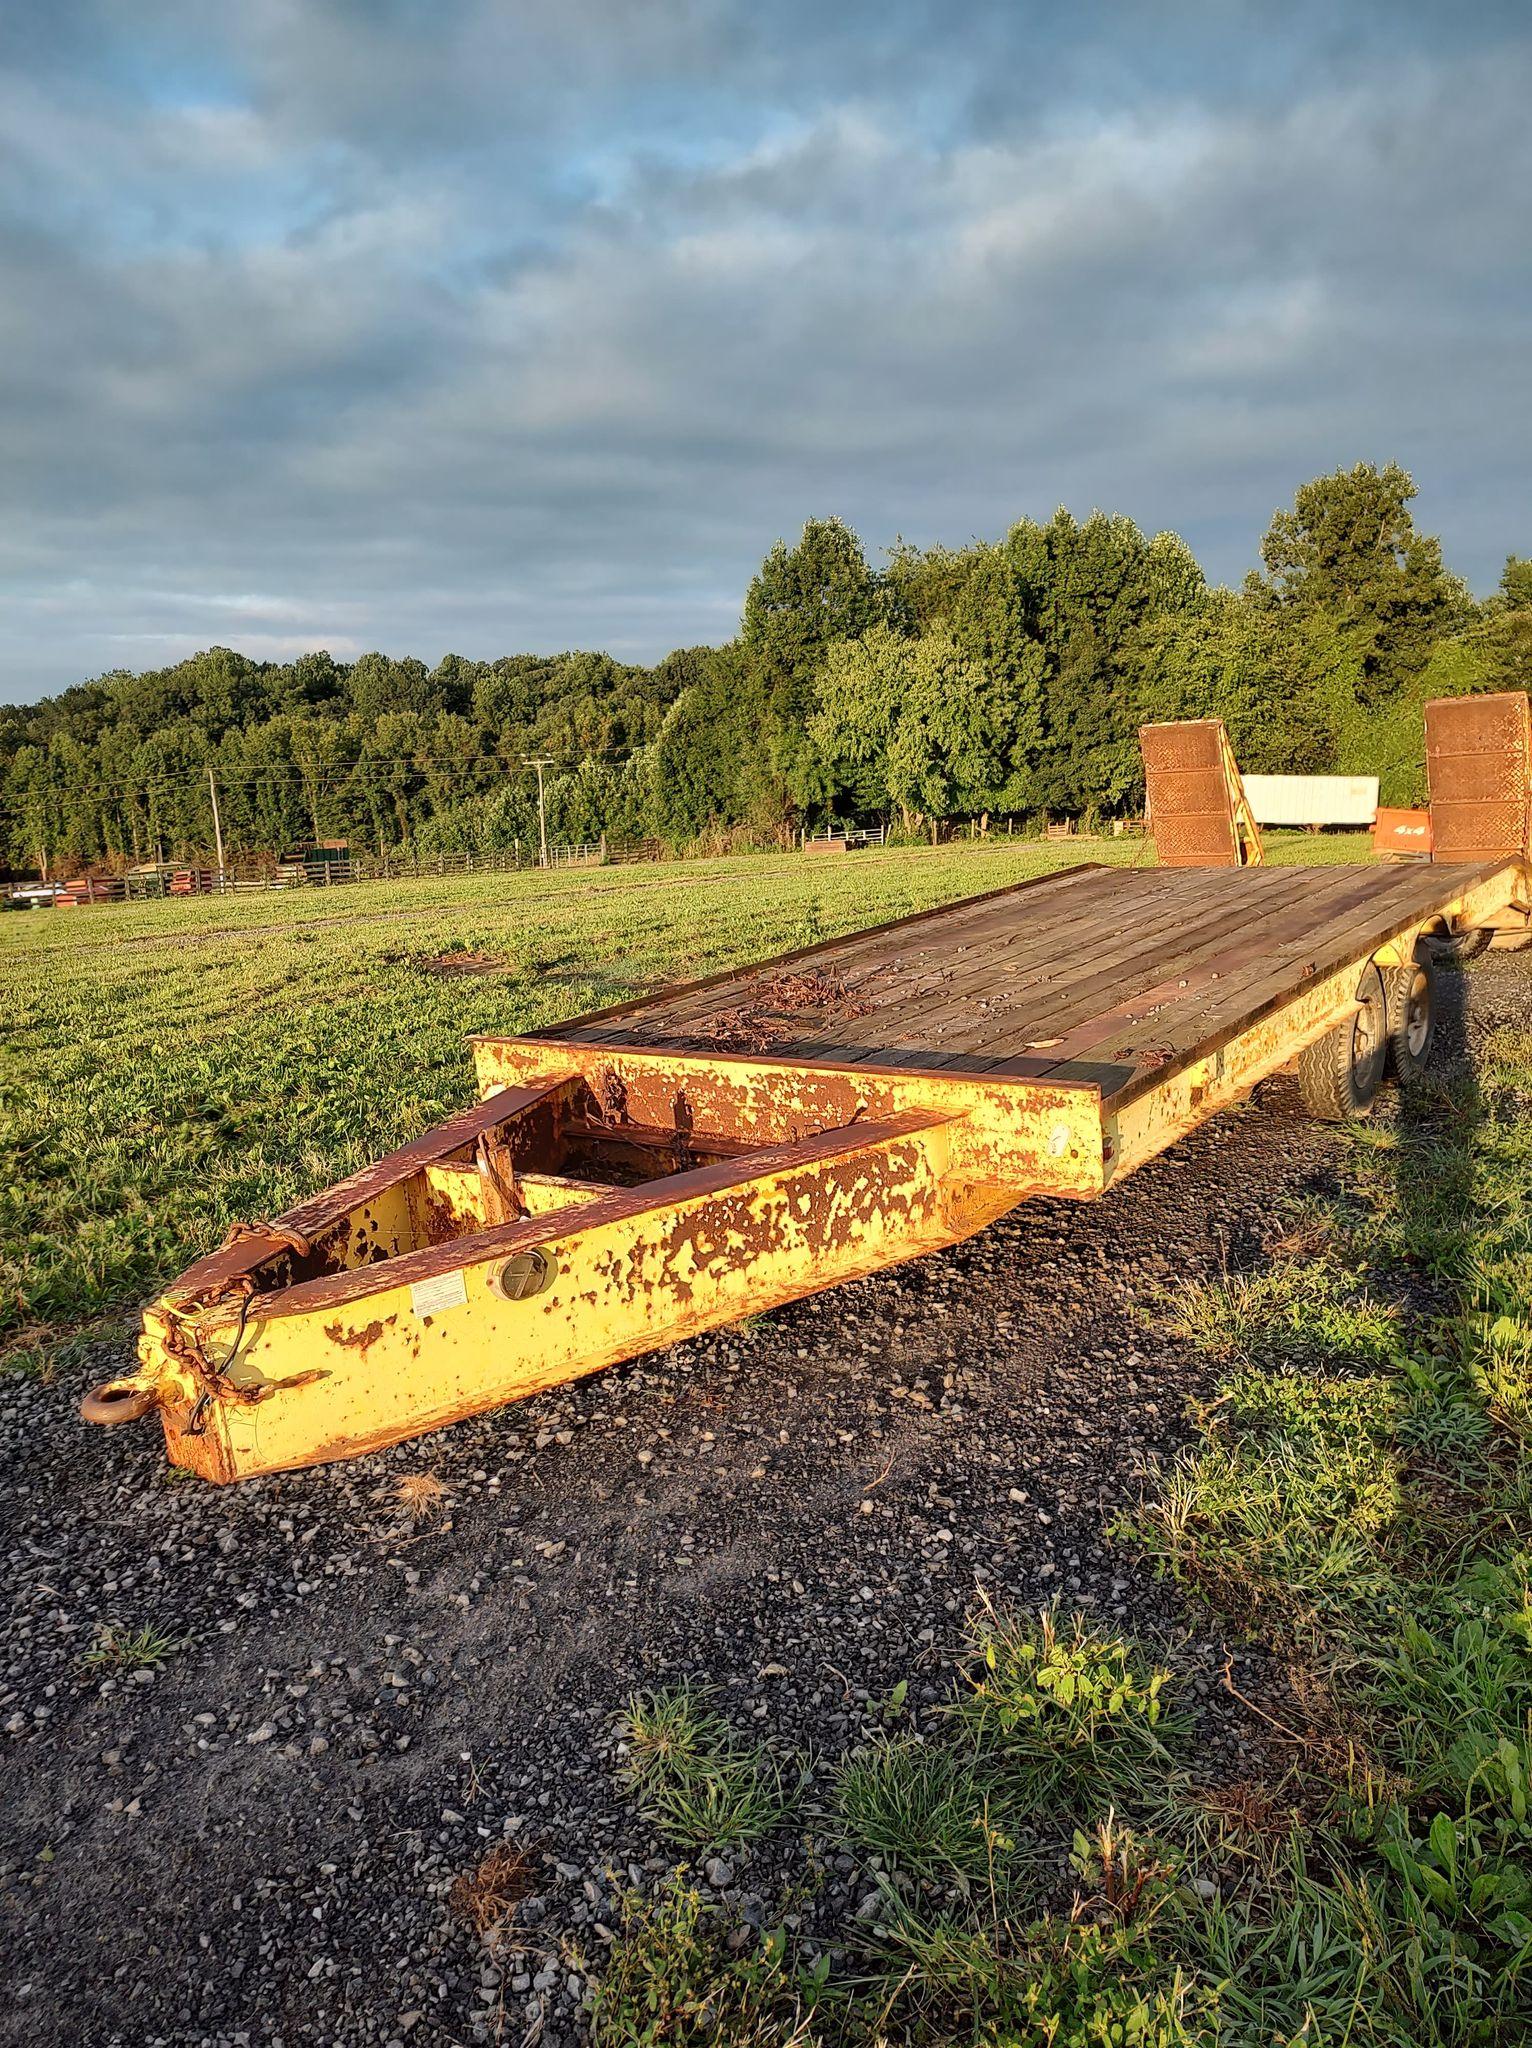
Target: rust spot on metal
x,y
253,1256
611,1095
341,1289
357,1340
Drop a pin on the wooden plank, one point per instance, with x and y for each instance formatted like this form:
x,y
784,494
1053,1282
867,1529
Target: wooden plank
x,y
691,1027
1404,897
1050,954
975,986
915,1034
956,933
1353,925
1206,959
1168,952
1049,968
1021,956
1040,951
585,1027
1347,916
1278,949
1121,1037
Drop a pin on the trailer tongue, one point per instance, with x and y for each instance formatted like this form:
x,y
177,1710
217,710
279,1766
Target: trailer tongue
x,y
634,1177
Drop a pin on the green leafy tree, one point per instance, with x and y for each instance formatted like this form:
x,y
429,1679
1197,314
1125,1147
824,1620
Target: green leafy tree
x,y
921,585
378,687
1516,582
1087,588
508,693
1349,548
919,724
712,762
801,601
1285,689
804,598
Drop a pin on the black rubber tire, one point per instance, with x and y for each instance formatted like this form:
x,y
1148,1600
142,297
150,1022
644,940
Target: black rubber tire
x,y
1458,947
1340,1074
1412,1015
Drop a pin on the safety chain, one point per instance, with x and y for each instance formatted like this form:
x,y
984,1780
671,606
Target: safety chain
x,y
184,1345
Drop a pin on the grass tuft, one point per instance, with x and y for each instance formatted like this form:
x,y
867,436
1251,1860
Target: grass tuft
x,y
1287,1508
695,1779
922,1808
1293,1312
118,1649
979,1976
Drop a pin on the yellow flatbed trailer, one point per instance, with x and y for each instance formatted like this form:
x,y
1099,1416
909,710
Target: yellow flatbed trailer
x,y
657,1169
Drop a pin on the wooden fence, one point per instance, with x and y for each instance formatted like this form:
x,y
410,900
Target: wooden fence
x,y
334,871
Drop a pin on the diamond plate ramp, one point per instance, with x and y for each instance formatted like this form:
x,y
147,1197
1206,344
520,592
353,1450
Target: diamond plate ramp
x,y
1479,767
1196,802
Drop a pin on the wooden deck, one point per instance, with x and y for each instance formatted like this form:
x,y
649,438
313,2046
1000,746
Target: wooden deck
x,y
1109,976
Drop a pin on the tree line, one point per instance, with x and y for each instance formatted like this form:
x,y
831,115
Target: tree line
x,y
1007,678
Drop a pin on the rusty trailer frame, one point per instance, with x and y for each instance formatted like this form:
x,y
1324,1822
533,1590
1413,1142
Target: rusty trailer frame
x,y
656,1170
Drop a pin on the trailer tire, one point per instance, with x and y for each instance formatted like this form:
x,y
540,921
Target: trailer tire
x,y
1339,1074
1412,1015
1459,947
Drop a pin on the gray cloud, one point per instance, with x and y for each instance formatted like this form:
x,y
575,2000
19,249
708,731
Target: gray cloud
x,y
425,328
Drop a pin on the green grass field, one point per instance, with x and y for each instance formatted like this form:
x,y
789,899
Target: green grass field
x,y
171,1068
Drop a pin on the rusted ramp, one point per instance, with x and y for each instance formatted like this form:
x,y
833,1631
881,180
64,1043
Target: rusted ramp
x,y
1198,811
1479,767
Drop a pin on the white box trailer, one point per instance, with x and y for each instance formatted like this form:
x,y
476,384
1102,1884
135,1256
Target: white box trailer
x,y
1312,799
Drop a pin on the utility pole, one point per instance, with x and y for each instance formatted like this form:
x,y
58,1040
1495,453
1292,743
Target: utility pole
x,y
212,790
543,761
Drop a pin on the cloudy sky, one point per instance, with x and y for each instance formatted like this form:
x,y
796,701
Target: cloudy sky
x,y
481,326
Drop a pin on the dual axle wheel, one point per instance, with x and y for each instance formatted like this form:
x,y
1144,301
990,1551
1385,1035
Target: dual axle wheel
x,y
1394,1025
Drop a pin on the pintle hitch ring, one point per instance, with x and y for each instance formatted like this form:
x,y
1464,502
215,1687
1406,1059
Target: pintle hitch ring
x,y
119,1401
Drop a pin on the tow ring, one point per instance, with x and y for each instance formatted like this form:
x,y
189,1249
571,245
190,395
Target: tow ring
x,y
118,1401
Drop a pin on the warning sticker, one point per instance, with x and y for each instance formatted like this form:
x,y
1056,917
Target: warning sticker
x,y
430,1297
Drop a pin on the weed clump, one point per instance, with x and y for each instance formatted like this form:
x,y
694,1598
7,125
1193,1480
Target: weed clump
x,y
1106,1972
1064,1712
120,1649
421,1496
486,1897
1292,1313
1288,1505
672,1978
695,1779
